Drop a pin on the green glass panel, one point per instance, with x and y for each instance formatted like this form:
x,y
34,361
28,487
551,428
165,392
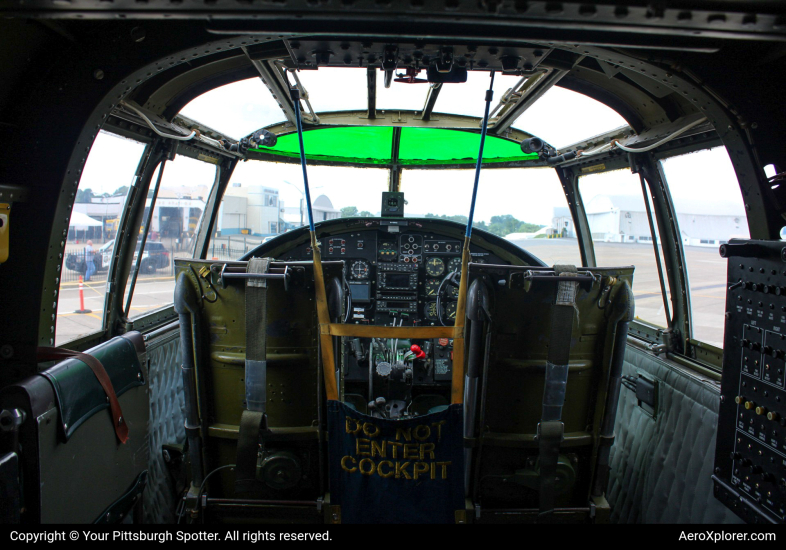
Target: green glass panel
x,y
419,146
358,144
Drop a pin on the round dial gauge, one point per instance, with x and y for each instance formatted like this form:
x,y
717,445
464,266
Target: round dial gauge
x,y
453,291
450,311
454,264
432,286
435,267
360,269
431,311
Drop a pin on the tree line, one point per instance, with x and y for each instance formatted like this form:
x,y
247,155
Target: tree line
x,y
498,225
87,195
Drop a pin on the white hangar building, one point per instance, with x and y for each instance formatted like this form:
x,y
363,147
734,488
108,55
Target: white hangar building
x,y
623,219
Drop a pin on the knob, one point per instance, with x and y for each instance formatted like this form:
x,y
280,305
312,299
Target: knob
x,y
745,343
739,400
767,350
772,415
749,405
384,368
761,410
419,353
756,346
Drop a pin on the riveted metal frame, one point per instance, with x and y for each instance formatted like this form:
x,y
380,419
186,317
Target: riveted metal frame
x,y
670,247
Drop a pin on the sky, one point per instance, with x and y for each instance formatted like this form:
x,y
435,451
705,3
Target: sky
x,y
561,117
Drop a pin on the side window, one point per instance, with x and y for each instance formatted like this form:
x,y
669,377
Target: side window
x,y
525,206
100,198
710,211
266,199
177,214
617,216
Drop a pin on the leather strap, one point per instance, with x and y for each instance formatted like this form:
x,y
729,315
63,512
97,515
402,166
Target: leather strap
x,y
323,316
551,429
376,331
250,446
46,353
256,336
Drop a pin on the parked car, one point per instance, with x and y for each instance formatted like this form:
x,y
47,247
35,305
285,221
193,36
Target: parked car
x,y
75,261
155,256
105,251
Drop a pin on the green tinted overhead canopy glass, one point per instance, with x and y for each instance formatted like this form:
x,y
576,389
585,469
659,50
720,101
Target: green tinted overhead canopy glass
x,y
374,145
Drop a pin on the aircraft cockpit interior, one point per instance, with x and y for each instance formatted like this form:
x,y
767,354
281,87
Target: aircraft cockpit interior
x,y
320,268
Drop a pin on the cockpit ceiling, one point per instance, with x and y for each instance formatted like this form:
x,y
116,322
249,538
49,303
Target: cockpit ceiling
x,y
378,145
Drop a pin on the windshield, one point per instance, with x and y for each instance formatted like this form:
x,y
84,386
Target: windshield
x,y
525,206
560,116
267,199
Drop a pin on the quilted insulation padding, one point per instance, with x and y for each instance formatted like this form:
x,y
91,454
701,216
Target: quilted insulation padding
x,y
661,468
167,417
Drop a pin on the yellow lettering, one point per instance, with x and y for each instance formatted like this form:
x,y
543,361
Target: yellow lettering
x,y
379,469
395,447
362,447
401,470
407,434
426,448
444,468
433,470
367,430
439,428
344,464
422,432
369,462
420,468
348,425
378,448
411,450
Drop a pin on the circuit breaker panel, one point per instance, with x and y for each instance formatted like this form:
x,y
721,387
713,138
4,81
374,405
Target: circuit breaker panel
x,y
750,453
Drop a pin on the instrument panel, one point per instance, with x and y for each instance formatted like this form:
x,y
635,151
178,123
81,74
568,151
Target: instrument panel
x,y
397,277
750,453
397,273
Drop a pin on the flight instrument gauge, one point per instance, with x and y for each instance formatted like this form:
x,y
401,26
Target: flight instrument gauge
x,y
359,270
450,311
454,264
432,287
431,311
435,267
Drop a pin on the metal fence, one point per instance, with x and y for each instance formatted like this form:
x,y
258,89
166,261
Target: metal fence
x,y
157,264
228,248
